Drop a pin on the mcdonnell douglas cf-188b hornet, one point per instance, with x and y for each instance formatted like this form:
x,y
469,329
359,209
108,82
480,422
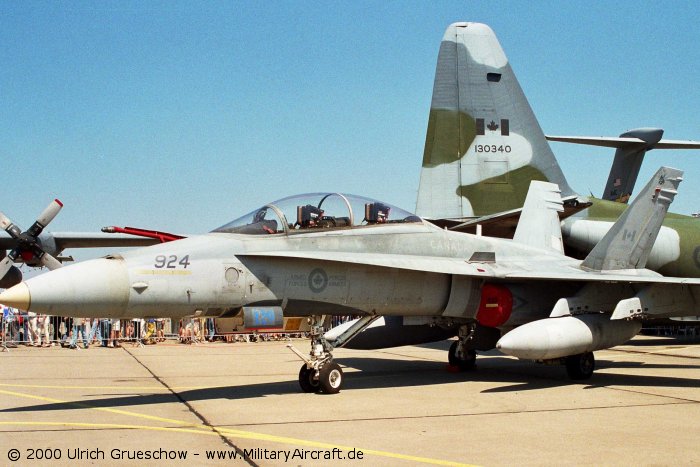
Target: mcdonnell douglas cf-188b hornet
x,y
484,146
334,254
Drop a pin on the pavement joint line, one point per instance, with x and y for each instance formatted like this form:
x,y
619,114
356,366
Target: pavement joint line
x,y
193,411
274,438
416,357
681,400
203,429
475,414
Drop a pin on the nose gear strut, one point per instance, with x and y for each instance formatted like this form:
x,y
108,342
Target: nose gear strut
x,y
320,373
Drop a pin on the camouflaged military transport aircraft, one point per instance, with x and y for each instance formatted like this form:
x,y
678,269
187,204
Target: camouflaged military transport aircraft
x,y
38,248
484,146
334,254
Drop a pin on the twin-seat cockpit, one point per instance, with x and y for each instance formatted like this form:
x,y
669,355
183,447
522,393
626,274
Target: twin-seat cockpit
x,y
316,211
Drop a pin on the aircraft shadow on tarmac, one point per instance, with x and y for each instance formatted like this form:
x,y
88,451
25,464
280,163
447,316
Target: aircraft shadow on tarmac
x,y
382,373
665,341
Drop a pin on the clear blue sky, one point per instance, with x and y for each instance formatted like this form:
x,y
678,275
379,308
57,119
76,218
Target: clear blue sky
x,y
180,116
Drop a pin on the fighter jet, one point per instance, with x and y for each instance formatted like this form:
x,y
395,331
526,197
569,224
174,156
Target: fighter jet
x,y
484,145
336,254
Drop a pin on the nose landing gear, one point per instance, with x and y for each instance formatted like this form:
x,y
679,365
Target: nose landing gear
x,y
320,373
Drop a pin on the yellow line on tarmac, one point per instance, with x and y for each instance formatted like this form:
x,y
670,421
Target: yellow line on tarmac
x,y
105,409
135,388
199,428
113,425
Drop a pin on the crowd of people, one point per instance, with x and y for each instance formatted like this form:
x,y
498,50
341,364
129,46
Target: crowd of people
x,y
193,330
37,330
31,329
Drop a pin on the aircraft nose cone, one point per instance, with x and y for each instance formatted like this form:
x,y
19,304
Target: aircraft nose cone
x,y
98,287
16,297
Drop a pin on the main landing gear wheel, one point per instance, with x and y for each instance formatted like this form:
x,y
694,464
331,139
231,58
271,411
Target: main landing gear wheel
x,y
330,378
580,366
465,362
307,381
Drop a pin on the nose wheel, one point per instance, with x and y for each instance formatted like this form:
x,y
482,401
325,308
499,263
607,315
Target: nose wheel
x,y
308,380
319,373
330,378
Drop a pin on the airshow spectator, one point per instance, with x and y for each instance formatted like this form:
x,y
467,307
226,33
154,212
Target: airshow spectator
x,y
33,328
94,331
64,329
9,329
79,327
114,334
43,323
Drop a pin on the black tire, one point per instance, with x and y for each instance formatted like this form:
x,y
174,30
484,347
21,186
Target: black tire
x,y
580,366
307,381
464,365
452,354
331,378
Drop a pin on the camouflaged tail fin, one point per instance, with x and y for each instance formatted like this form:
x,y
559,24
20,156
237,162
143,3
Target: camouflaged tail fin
x,y
483,145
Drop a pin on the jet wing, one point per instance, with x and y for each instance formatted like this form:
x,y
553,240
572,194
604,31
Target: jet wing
x,y
503,224
574,275
435,264
65,240
485,270
99,240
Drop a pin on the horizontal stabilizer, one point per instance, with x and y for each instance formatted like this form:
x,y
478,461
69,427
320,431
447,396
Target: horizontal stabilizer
x,y
624,142
631,147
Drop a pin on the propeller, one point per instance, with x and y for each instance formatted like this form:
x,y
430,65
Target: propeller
x,y
28,244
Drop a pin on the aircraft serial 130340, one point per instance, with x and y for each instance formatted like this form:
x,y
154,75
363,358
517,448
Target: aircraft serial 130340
x,y
334,254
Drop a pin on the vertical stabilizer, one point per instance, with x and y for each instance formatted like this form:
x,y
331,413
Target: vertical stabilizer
x,y
628,160
628,242
483,145
539,224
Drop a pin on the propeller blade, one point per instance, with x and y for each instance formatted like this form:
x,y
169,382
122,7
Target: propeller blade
x,y
45,218
5,266
7,225
49,261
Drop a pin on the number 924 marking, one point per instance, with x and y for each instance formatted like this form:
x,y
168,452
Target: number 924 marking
x,y
171,262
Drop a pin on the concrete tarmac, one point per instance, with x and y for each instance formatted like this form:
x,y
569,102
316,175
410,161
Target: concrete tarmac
x,y
399,406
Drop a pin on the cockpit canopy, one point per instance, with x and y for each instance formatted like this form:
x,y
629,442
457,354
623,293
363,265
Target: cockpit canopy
x,y
312,211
